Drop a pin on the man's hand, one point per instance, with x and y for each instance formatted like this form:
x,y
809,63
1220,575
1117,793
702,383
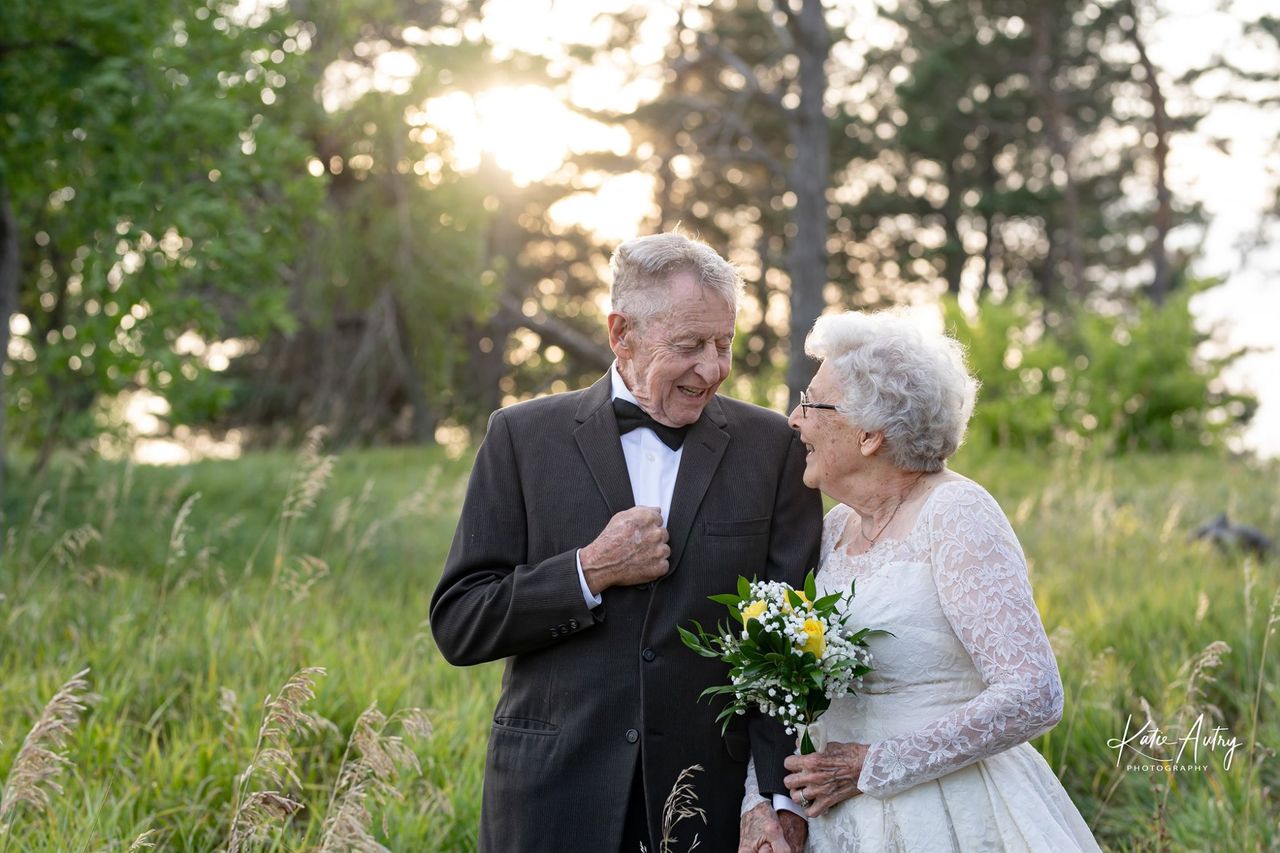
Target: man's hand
x,y
825,778
795,829
632,549
762,830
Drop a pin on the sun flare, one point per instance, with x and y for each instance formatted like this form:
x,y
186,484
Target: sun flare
x,y
527,130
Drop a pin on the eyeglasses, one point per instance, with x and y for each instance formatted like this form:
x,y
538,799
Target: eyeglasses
x,y
805,405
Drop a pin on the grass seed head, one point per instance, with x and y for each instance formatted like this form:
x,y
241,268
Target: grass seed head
x,y
33,775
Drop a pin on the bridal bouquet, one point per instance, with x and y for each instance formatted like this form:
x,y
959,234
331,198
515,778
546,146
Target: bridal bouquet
x,y
790,653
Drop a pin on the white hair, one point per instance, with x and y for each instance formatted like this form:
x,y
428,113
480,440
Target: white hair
x,y
643,267
899,379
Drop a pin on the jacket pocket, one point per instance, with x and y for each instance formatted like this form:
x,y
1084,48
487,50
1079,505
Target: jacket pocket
x,y
525,725
746,527
521,757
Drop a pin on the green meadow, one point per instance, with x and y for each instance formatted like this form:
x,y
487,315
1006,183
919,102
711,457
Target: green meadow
x,y
193,594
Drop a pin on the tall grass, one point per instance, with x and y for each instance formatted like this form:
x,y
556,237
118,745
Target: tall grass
x,y
192,593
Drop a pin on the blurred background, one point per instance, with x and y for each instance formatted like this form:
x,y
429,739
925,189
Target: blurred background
x,y
225,223
296,252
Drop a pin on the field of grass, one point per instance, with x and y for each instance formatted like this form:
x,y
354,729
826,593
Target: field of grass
x,y
192,594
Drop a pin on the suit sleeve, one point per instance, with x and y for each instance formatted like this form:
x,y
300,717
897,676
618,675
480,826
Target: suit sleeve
x,y
491,603
795,538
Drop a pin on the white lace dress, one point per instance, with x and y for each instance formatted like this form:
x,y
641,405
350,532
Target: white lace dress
x,y
967,679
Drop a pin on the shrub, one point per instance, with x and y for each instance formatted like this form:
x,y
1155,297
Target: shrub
x,y
1136,379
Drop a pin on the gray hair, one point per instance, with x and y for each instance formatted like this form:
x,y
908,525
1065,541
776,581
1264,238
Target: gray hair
x,y
901,380
642,268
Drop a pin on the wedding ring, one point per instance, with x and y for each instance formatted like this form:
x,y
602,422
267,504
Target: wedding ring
x,y
804,802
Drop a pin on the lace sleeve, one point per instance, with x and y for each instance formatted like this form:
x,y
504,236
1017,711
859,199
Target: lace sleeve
x,y
981,576
751,796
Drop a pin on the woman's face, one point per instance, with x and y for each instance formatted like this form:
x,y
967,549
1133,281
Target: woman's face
x,y
831,440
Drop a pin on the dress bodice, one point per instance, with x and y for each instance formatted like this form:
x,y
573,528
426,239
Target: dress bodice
x,y
967,670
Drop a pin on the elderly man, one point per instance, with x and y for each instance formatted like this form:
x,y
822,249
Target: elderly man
x,y
595,523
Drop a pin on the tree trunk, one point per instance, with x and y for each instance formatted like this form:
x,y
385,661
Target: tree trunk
x,y
1044,273
988,253
422,419
990,177
810,172
1044,72
8,304
953,253
1161,279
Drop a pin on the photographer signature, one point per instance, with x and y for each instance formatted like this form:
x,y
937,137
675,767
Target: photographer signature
x,y
1153,744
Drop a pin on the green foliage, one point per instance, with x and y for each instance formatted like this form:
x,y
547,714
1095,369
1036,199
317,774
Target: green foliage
x,y
156,192
396,254
1120,382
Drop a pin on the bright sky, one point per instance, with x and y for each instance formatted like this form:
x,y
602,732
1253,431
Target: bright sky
x,y
1234,188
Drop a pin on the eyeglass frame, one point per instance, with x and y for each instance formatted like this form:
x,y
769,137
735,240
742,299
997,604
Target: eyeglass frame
x,y
805,405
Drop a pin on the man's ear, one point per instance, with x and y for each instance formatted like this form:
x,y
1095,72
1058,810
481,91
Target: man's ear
x,y
620,326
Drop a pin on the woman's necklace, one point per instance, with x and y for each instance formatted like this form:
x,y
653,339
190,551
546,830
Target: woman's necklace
x,y
871,540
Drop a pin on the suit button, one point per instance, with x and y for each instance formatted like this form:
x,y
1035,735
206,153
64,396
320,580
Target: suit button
x,y
573,623
642,586
648,654
563,628
554,633
632,736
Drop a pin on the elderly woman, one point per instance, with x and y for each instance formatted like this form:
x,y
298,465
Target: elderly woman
x,y
933,754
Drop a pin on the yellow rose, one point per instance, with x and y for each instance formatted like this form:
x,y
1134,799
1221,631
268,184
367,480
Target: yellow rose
x,y
753,611
817,641
786,601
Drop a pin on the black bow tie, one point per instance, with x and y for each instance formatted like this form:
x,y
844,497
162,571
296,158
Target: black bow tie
x,y
630,416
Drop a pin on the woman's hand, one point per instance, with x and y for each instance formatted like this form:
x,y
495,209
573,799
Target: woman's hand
x,y
823,779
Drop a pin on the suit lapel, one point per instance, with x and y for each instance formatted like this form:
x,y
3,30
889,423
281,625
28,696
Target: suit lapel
x,y
597,437
704,447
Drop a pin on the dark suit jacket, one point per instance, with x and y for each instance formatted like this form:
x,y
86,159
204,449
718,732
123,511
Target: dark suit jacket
x,y
588,693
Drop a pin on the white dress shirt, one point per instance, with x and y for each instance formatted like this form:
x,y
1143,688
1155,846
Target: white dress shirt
x,y
652,467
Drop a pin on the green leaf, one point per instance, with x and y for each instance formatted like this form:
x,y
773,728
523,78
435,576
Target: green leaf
x,y
744,588
827,602
810,585
730,601
697,643
720,690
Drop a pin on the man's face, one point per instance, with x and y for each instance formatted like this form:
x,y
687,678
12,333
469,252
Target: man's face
x,y
676,360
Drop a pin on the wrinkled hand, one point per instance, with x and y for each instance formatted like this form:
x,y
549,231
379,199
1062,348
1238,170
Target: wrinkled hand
x,y
826,778
632,549
795,829
762,830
